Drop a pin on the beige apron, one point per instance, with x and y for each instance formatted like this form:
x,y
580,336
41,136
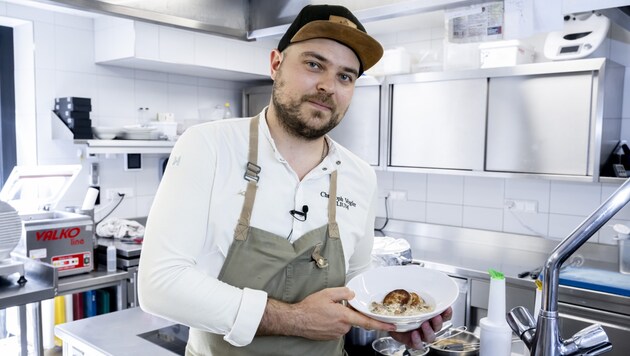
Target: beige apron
x,y
288,272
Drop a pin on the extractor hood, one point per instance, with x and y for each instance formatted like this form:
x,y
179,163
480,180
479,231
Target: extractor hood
x,y
255,19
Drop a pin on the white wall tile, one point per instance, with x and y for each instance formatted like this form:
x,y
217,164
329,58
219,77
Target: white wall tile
x,y
116,98
607,191
484,192
561,226
74,49
385,181
414,184
73,84
535,224
445,214
408,210
483,218
529,189
151,95
445,189
182,101
574,198
3,8
44,37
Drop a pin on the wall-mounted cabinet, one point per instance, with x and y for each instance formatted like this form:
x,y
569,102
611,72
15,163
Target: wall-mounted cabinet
x,y
439,124
360,129
556,119
141,45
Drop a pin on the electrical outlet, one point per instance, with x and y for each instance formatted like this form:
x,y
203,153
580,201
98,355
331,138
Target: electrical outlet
x,y
397,195
112,194
526,206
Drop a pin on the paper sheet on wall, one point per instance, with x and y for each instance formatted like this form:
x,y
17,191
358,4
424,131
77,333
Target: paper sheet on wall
x,y
524,18
475,23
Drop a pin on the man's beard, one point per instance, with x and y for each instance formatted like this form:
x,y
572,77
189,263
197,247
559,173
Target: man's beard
x,y
294,122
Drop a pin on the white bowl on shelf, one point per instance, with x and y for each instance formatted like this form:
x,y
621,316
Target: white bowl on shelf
x,y
106,132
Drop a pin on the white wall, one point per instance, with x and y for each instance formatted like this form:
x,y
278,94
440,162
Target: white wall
x,y
476,202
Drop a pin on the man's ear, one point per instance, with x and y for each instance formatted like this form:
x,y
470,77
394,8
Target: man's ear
x,y
275,60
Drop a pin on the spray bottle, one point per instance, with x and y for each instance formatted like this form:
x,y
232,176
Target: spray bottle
x,y
496,335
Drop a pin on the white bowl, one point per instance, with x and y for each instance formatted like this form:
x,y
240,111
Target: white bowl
x,y
435,287
106,133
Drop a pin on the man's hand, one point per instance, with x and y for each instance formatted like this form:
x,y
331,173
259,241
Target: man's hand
x,y
426,331
320,316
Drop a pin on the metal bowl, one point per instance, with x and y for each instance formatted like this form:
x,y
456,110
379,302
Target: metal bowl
x,y
456,343
387,346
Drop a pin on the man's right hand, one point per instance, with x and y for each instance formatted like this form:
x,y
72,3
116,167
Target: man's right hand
x,y
320,316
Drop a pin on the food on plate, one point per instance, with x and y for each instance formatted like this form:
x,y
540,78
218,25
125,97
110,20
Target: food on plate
x,y
400,302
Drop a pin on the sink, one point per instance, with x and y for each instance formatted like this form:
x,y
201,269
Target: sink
x,y
173,338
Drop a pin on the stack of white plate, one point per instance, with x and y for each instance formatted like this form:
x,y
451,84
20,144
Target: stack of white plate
x,y
140,132
10,230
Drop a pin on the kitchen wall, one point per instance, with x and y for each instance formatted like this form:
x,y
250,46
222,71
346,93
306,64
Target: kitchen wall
x,y
64,66
480,203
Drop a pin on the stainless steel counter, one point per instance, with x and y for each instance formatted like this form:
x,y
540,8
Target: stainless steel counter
x,y
115,333
471,253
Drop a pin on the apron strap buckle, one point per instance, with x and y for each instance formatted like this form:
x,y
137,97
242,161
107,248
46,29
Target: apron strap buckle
x,y
251,174
318,258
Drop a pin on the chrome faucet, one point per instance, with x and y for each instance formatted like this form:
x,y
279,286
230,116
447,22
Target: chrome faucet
x,y
543,337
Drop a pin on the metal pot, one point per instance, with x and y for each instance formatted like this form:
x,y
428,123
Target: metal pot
x,y
387,346
389,251
462,343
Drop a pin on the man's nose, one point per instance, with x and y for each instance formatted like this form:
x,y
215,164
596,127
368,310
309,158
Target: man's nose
x,y
327,83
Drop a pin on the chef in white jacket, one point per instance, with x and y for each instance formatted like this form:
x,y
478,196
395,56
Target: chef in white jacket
x,y
259,222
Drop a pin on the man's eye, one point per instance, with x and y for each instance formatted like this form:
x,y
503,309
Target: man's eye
x,y
312,64
345,77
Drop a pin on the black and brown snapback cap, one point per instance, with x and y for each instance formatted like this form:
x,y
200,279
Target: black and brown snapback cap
x,y
336,23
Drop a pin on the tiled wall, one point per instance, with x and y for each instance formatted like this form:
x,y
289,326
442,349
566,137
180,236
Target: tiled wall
x,y
478,202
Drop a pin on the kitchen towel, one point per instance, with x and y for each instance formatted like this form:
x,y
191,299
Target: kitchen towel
x,y
119,228
596,279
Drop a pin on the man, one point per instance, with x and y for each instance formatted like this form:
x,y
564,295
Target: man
x,y
259,222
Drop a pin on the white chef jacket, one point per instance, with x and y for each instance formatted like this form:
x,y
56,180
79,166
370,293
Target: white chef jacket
x,y
191,223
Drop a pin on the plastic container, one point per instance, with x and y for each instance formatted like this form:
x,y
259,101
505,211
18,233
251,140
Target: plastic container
x,y
505,53
227,112
623,240
111,258
496,335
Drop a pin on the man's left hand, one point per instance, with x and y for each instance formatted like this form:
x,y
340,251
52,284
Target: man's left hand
x,y
426,331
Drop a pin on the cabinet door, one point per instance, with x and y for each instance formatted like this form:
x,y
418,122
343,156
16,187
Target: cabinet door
x,y
539,124
439,124
359,129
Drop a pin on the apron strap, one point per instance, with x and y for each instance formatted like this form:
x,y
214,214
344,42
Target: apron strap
x,y
251,176
333,227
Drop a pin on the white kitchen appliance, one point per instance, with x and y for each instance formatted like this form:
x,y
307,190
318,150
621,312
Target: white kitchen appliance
x,y
62,239
582,34
10,234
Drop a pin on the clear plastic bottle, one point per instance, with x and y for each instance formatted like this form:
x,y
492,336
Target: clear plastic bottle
x,y
227,112
217,113
111,258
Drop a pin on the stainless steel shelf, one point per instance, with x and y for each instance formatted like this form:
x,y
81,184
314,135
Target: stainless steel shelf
x,y
126,146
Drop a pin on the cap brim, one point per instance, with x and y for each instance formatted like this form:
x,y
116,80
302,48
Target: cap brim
x,y
366,48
